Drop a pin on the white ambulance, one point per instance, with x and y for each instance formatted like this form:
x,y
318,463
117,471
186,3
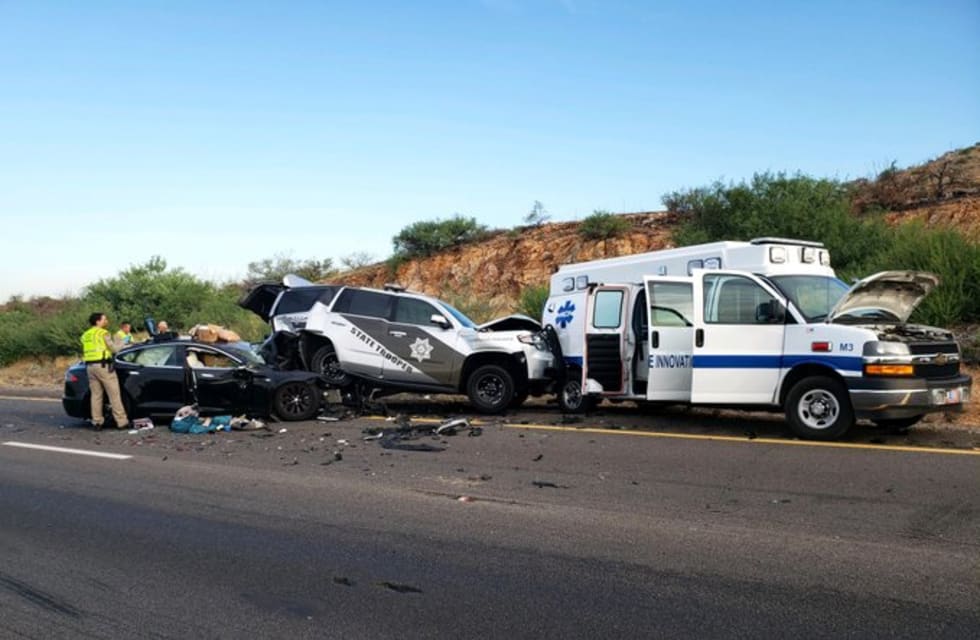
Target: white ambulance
x,y
760,324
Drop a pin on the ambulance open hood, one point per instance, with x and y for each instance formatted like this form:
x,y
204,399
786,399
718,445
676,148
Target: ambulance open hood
x,y
889,296
516,322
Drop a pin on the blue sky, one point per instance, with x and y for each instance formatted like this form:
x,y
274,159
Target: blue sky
x,y
215,134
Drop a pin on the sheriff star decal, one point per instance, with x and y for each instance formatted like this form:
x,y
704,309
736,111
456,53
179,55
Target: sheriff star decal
x,y
421,349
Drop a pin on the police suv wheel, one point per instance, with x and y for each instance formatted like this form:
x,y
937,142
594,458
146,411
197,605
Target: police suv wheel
x,y
490,389
570,398
818,408
295,401
326,363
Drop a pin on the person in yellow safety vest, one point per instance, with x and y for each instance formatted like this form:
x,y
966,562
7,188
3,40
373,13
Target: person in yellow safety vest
x,y
97,349
125,334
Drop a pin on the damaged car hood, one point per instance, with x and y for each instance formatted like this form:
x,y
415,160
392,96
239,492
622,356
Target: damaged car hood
x,y
516,322
889,295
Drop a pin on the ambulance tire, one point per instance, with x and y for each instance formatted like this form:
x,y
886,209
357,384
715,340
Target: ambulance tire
x,y
819,408
570,398
326,363
490,389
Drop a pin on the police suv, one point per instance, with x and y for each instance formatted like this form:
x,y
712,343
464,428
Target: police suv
x,y
395,340
753,324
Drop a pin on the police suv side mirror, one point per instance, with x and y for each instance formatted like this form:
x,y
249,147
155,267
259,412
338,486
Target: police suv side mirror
x,y
440,320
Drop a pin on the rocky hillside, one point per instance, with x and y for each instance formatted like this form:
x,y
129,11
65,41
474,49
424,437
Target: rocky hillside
x,y
942,192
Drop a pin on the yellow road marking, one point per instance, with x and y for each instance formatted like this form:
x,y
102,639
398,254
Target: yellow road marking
x,y
30,398
695,436
743,439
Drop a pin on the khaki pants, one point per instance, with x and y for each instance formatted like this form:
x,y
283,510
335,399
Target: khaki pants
x,y
103,382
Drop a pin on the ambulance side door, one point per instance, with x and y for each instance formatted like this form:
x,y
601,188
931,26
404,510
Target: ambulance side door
x,y
739,334
605,338
670,305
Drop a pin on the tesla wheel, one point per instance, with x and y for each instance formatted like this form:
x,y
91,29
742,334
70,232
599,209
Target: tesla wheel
x,y
898,424
326,363
570,397
295,401
818,408
490,389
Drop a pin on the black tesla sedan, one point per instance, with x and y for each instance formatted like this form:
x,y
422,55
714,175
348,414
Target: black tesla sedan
x,y
157,378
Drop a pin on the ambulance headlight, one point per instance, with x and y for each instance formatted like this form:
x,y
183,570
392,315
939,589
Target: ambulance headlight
x,y
878,349
809,255
777,255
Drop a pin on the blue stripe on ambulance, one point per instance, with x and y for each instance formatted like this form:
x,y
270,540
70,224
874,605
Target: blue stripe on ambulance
x,y
841,363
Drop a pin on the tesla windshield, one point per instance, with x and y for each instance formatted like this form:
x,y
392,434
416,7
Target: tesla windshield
x,y
814,296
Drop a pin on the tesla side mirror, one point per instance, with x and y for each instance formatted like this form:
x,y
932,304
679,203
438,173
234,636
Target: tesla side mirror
x,y
440,320
242,371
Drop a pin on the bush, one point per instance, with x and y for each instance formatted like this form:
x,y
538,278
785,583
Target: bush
x,y
951,257
532,300
602,225
776,205
428,237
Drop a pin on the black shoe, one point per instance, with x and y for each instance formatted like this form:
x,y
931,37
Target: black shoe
x,y
98,427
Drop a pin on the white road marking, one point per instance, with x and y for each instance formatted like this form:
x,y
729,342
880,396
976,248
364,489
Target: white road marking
x,y
79,452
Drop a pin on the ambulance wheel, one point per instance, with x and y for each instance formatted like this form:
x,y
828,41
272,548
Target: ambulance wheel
x,y
326,363
818,408
490,389
898,424
570,398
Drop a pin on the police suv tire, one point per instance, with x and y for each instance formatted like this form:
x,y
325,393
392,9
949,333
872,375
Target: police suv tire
x,y
898,424
296,401
490,389
819,408
570,398
326,363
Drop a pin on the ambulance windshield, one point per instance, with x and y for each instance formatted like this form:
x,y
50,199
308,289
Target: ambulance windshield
x,y
814,296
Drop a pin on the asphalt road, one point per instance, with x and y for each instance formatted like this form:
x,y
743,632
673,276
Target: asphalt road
x,y
618,526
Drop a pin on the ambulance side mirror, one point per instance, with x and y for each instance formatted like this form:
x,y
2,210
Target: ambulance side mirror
x,y
772,312
440,321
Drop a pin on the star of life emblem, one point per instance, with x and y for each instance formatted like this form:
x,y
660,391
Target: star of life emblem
x,y
421,349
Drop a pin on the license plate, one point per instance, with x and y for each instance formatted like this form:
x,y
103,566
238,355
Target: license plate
x,y
953,396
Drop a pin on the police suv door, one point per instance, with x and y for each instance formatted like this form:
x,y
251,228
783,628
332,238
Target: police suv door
x,y
358,326
670,305
425,350
739,330
605,333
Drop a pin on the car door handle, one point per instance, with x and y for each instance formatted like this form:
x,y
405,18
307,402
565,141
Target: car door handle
x,y
337,324
699,338
654,339
134,373
207,375
397,334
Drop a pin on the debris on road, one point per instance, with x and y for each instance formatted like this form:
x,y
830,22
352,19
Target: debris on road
x,y
399,588
544,484
343,581
537,457
406,430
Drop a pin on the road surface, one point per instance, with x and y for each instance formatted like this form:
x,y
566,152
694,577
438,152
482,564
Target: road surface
x,y
535,529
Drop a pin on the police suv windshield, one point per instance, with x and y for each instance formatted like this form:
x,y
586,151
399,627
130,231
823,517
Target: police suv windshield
x,y
814,296
463,320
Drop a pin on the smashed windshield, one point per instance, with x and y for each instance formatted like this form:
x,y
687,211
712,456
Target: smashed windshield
x,y
814,296
245,352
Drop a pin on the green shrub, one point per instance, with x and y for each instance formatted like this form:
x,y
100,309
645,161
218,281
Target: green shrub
x,y
951,257
778,205
425,238
531,302
602,225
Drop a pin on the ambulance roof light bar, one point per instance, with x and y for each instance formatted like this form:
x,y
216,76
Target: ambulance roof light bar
x,y
790,241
